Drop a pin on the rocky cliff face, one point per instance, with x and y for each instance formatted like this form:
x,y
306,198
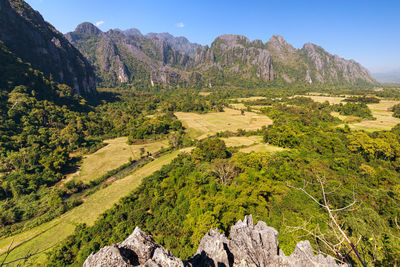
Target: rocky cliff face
x,y
249,245
26,34
279,62
127,56
161,57
236,56
180,44
332,68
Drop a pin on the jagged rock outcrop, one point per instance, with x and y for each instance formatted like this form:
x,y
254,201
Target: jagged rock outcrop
x,y
27,35
249,246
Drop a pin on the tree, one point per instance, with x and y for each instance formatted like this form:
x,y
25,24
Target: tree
x,y
225,170
209,149
343,245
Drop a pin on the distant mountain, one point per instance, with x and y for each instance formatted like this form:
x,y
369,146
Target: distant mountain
x,y
128,56
25,33
277,61
388,77
178,43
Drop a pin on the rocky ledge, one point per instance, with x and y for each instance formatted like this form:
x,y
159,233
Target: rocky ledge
x,y
249,245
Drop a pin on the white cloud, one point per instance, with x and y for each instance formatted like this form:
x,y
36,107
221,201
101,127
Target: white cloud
x,y
180,25
99,23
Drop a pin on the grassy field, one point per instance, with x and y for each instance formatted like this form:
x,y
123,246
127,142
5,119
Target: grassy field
x,y
203,125
236,141
116,153
49,234
384,119
205,93
251,144
381,111
321,99
251,98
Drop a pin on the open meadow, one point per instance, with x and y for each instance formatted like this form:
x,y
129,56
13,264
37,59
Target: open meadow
x,y
202,125
116,153
381,111
249,144
383,114
251,98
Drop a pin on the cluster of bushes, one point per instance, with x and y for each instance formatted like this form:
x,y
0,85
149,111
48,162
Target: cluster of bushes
x,y
363,99
354,109
396,111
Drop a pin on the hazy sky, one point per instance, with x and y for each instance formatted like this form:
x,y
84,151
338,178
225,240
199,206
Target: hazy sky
x,y
364,30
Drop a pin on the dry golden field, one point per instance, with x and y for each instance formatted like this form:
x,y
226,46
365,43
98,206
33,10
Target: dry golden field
x,y
205,93
241,99
202,125
116,153
250,144
384,119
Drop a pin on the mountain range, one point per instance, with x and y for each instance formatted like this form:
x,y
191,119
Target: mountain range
x,y
89,56
127,56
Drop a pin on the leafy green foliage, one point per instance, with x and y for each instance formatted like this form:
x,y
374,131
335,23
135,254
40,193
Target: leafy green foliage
x,y
209,149
396,111
363,99
296,124
354,109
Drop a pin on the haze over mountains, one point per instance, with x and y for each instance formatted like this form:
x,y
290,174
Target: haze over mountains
x,y
127,56
388,77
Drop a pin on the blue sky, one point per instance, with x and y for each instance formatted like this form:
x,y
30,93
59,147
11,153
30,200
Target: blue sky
x,y
366,31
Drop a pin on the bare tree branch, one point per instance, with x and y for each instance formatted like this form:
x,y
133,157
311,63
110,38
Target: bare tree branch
x,y
333,223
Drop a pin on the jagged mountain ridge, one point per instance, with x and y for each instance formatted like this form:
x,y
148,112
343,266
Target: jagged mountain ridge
x,y
125,56
28,36
249,245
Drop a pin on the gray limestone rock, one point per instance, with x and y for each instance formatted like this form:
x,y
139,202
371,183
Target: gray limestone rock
x,y
249,246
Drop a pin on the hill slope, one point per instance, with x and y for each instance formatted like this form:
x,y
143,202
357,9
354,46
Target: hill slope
x,y
25,33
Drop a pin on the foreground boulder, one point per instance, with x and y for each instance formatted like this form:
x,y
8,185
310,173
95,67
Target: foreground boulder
x,y
249,246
